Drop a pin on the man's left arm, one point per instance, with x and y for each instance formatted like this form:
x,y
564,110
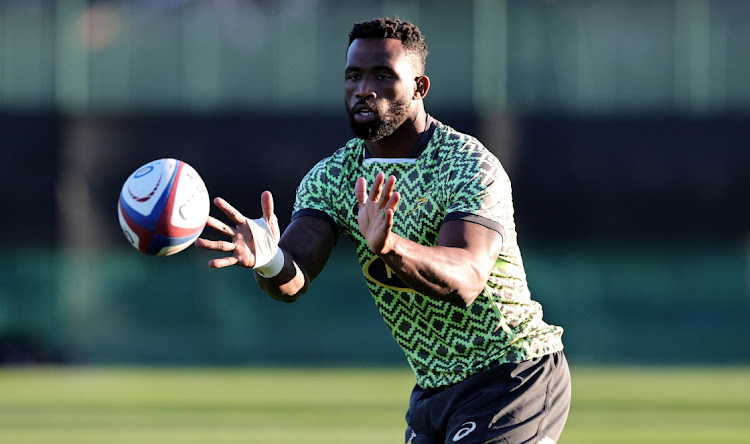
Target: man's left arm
x,y
454,271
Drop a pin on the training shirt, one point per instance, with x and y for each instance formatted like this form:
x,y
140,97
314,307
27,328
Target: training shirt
x,y
449,176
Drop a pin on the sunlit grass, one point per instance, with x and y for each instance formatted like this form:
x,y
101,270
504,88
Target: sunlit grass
x,y
313,405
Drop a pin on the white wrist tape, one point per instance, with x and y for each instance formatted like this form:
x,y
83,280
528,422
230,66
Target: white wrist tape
x,y
269,258
274,267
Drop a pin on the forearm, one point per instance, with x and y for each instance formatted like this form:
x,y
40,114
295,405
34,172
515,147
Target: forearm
x,y
306,244
448,274
288,285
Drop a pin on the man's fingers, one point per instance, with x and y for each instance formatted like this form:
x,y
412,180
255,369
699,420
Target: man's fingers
x,y
219,226
232,213
393,201
380,192
388,217
266,204
222,262
387,192
359,190
214,245
376,187
217,246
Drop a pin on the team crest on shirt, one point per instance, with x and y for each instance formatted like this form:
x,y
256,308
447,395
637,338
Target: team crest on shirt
x,y
422,201
378,272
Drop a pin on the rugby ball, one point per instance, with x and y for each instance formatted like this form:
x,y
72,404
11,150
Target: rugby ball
x,y
163,207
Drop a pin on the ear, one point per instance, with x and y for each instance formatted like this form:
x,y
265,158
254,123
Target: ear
x,y
421,86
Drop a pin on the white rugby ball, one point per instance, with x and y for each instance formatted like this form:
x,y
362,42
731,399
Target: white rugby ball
x,y
163,207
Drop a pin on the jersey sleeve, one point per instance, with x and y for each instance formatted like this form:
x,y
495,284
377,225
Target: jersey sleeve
x,y
313,196
480,189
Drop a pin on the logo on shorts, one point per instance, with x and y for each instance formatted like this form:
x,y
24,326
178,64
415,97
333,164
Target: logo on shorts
x,y
411,438
465,429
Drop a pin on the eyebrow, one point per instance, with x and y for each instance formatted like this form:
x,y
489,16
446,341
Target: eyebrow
x,y
374,68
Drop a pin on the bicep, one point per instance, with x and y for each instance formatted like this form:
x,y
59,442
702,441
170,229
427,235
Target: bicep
x,y
481,244
310,241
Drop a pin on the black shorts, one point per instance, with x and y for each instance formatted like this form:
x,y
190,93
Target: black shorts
x,y
514,403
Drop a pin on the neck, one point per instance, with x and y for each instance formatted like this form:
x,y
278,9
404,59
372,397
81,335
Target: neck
x,y
402,141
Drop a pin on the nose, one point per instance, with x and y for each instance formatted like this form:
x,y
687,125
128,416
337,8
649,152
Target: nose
x,y
365,91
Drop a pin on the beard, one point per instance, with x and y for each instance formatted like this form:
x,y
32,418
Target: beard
x,y
384,124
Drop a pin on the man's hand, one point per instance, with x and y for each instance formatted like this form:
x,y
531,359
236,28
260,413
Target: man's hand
x,y
376,210
242,245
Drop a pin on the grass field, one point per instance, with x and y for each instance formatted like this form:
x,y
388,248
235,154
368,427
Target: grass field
x,y
252,405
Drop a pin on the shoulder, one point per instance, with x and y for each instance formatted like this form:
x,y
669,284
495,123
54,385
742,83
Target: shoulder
x,y
345,156
454,143
464,152
337,164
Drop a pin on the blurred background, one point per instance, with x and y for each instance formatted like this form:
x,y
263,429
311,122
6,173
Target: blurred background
x,y
624,125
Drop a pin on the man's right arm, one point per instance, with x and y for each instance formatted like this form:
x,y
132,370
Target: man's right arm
x,y
305,248
307,244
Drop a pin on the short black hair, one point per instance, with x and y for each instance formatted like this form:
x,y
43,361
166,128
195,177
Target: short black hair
x,y
394,28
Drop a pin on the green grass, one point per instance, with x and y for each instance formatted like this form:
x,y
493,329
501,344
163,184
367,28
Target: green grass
x,y
263,405
658,405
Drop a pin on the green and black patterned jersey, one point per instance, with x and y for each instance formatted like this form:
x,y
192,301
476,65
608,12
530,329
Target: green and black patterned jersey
x,y
451,176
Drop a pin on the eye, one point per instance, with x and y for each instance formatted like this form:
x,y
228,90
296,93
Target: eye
x,y
352,76
384,76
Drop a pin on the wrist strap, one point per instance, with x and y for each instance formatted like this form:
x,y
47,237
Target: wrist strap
x,y
269,258
274,267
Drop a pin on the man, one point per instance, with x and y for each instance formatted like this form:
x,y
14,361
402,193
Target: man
x,y
439,255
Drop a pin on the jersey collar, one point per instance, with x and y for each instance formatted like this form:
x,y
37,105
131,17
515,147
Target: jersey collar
x,y
421,144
